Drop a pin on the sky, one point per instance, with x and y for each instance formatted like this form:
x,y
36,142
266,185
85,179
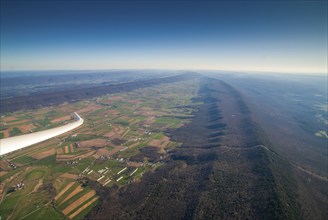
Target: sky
x,y
273,36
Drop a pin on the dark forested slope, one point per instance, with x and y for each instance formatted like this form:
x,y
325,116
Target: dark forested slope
x,y
224,169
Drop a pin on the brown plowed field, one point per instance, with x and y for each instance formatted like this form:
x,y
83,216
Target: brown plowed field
x,y
155,143
66,149
86,154
3,173
5,133
78,202
75,191
64,190
4,165
103,151
69,176
65,157
26,128
1,190
83,207
44,154
113,112
115,133
60,151
19,122
162,143
9,119
134,145
135,164
72,148
112,135
95,142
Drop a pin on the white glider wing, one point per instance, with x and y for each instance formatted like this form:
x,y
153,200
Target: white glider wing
x,y
11,144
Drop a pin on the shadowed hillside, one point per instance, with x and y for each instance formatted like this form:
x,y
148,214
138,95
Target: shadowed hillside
x,y
221,171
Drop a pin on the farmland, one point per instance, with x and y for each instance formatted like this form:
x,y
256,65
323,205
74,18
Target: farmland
x,y
200,148
123,137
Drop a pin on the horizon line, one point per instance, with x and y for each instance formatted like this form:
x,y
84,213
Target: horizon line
x,y
172,69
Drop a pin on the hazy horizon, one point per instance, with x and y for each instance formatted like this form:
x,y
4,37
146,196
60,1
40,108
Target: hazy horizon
x,y
217,71
286,37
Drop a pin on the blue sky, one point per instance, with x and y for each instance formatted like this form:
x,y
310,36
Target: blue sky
x,y
275,36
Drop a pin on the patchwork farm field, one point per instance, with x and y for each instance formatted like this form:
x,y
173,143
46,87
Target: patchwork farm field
x,y
122,138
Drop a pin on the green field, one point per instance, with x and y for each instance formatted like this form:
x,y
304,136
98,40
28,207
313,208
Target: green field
x,y
127,123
